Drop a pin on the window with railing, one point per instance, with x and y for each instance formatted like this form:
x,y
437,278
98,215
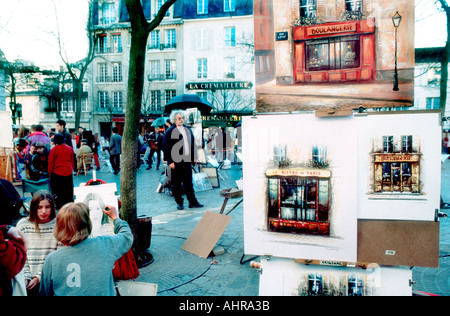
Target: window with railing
x,y
102,99
67,105
154,40
171,38
155,70
169,94
155,100
117,100
116,43
170,69
103,72
117,72
102,46
84,105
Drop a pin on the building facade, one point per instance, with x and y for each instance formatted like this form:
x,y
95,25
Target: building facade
x,y
197,42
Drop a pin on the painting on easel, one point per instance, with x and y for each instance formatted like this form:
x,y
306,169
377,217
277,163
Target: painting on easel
x,y
338,54
300,186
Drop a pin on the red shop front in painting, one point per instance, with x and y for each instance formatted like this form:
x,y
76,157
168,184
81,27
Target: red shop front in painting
x,y
335,52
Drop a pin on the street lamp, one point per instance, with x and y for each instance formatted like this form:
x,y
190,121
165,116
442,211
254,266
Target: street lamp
x,y
396,19
19,111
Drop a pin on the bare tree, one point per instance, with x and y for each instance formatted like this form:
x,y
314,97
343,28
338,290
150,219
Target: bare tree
x,y
445,56
78,69
140,29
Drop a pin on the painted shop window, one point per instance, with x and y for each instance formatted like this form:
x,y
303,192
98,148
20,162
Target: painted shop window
x,y
333,53
308,9
296,201
353,5
396,177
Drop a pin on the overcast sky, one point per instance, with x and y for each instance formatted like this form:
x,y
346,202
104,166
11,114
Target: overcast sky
x,y
28,28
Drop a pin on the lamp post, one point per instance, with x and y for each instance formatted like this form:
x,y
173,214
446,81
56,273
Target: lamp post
x,y
396,19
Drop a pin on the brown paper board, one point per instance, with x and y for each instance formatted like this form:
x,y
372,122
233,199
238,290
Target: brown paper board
x,y
6,168
404,243
205,235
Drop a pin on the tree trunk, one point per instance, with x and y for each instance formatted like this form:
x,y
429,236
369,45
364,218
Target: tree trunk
x,y
140,29
444,61
129,143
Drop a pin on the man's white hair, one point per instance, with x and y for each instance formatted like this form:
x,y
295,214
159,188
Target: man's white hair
x,y
173,115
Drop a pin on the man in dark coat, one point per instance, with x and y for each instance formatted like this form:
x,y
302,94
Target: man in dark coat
x,y
180,153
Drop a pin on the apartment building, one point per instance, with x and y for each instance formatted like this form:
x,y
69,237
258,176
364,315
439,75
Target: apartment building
x,y
197,42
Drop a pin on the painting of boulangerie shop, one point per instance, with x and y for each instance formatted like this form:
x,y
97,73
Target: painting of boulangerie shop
x,y
333,54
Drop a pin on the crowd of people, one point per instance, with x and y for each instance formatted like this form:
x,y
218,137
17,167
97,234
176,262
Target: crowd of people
x,y
53,250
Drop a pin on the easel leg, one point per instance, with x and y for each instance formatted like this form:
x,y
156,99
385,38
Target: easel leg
x,y
223,205
245,261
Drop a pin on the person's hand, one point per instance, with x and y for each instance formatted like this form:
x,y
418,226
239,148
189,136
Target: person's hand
x,y
172,165
17,235
111,211
31,283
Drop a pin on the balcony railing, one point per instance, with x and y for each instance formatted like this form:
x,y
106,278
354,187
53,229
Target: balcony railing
x,y
155,77
109,79
162,46
109,50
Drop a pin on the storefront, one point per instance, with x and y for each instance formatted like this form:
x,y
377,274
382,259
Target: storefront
x,y
397,165
299,200
335,52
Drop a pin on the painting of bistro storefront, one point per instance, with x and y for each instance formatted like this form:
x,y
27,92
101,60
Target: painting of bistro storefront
x,y
299,197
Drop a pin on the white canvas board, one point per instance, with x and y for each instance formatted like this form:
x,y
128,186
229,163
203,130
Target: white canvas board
x,y
96,197
298,134
397,202
285,277
6,136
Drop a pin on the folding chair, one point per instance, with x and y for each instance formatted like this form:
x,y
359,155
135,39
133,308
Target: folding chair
x,y
87,160
30,186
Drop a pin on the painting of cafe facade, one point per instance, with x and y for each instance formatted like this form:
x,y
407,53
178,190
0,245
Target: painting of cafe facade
x,y
334,53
